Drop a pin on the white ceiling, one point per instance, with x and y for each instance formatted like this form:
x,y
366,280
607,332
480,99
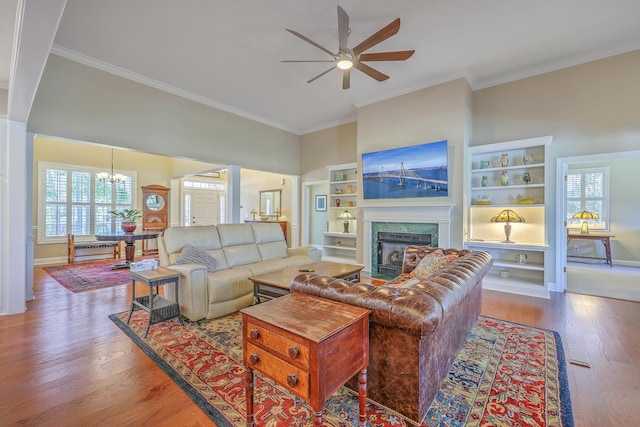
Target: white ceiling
x,y
228,53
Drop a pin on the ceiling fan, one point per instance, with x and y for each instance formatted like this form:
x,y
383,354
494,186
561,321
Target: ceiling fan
x,y
347,58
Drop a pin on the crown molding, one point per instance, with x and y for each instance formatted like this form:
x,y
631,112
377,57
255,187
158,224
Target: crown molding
x,y
147,81
477,84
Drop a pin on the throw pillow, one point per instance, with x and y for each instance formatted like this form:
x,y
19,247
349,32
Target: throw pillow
x,y
428,265
192,255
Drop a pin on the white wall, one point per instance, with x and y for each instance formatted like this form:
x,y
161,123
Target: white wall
x,y
78,102
428,115
588,109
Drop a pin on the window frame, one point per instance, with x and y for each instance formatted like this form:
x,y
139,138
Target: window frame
x,y
41,237
602,224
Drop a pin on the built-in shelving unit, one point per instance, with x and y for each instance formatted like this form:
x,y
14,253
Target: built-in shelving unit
x,y
518,267
337,245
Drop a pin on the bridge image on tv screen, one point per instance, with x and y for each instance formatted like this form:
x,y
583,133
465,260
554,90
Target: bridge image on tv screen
x,y
414,171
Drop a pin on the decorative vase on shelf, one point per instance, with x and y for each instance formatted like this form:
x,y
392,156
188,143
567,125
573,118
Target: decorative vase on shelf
x,y
337,203
504,179
128,227
484,180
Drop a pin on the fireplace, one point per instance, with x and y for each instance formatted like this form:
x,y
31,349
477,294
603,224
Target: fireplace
x,y
391,248
432,220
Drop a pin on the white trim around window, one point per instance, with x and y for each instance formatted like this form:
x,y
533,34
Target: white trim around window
x,y
82,199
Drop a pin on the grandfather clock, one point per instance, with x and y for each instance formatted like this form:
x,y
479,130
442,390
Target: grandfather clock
x,y
155,217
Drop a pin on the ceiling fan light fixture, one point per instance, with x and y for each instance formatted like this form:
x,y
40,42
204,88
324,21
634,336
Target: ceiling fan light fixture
x,y
344,63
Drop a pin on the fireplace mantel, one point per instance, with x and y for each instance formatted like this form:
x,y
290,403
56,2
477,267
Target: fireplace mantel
x,y
429,214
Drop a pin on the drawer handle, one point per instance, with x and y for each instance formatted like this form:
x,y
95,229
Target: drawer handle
x,y
292,380
254,334
253,359
293,352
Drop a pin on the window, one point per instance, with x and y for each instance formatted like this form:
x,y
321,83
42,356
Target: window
x,y
72,200
588,190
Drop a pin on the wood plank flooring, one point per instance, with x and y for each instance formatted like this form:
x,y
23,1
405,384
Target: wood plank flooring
x,y
64,363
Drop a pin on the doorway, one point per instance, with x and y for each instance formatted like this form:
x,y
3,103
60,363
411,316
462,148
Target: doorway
x,y
316,222
595,277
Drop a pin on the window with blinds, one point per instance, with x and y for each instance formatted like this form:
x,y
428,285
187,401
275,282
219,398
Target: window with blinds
x,y
72,200
588,190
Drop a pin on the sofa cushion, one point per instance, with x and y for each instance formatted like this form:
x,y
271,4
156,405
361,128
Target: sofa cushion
x,y
428,265
192,255
241,254
236,234
266,233
273,250
202,237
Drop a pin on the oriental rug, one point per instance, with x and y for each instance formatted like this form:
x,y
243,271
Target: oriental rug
x,y
89,275
506,375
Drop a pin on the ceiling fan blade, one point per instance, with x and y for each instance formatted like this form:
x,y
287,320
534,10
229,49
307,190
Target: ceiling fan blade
x,y
309,60
343,29
308,40
378,37
371,72
321,74
346,79
399,55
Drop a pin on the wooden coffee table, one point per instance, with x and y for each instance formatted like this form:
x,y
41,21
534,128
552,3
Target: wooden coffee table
x,y
276,284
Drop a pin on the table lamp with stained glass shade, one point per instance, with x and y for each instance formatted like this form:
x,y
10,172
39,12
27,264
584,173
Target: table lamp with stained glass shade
x,y
585,216
507,216
346,216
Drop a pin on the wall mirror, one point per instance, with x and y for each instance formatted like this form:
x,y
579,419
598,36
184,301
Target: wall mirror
x,y
270,202
155,202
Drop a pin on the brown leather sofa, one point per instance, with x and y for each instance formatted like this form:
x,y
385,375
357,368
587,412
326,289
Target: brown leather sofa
x,y
416,329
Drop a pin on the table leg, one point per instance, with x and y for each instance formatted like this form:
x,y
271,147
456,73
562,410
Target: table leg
x,y
129,251
146,332
177,301
133,298
317,417
248,379
607,247
362,397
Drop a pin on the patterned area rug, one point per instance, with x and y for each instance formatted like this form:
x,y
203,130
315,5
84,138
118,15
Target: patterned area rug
x,y
506,375
89,275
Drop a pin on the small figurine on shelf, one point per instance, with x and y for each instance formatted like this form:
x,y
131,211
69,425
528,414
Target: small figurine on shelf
x,y
526,178
349,189
527,159
504,179
485,180
504,160
337,203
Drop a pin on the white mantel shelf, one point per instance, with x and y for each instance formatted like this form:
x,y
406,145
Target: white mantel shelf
x,y
424,214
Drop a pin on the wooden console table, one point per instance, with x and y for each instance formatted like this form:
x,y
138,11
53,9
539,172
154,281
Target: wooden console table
x,y
309,345
604,238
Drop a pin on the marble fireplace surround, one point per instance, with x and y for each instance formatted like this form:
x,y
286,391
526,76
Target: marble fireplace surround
x,y
430,216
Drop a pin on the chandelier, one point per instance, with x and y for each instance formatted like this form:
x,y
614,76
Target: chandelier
x,y
105,176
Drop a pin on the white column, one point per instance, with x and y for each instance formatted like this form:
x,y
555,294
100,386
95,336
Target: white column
x,y
14,222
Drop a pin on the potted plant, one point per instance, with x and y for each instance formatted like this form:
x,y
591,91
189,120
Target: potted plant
x,y
128,218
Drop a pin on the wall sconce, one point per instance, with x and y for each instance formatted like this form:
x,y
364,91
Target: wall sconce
x,y
507,216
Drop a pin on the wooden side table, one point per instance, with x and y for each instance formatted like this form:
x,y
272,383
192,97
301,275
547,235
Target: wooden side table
x,y
309,345
159,309
604,238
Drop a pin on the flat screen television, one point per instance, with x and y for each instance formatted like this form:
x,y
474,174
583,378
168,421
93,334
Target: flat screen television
x,y
406,172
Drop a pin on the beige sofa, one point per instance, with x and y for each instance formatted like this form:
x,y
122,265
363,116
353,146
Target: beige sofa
x,y
241,251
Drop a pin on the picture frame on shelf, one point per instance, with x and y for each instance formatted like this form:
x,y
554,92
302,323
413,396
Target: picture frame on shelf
x,y
321,203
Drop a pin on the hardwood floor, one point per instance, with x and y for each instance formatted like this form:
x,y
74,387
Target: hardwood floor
x,y
64,363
